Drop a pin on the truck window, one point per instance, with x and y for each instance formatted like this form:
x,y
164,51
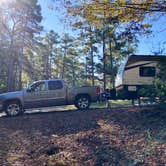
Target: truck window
x,y
147,71
54,85
39,86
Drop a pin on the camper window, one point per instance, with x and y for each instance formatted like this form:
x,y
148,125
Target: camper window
x,y
147,71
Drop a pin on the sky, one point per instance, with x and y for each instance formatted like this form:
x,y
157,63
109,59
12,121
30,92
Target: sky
x,y
147,44
51,18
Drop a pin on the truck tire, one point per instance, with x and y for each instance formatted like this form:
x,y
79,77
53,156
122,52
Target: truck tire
x,y
13,108
82,102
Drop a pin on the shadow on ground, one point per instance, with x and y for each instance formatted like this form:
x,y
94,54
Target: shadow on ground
x,y
92,137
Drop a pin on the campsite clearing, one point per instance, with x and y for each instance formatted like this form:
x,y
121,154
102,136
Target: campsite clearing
x,y
117,136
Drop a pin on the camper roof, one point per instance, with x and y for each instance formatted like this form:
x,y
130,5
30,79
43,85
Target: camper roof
x,y
136,58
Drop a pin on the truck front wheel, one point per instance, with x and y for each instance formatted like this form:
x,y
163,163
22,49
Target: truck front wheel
x,y
82,102
13,108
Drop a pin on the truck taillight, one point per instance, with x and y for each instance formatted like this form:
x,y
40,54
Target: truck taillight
x,y
98,90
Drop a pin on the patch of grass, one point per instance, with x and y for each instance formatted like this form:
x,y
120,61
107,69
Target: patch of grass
x,y
120,103
66,107
101,105
98,105
112,103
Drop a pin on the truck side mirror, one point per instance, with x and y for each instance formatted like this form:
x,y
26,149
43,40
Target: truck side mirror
x,y
30,89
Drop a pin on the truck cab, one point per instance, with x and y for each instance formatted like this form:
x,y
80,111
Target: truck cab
x,y
47,93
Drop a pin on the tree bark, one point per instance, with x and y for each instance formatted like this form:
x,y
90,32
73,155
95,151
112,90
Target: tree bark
x,y
73,75
64,59
10,79
92,65
111,63
104,61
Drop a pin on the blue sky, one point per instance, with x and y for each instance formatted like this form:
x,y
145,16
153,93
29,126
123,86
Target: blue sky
x,y
154,40
51,20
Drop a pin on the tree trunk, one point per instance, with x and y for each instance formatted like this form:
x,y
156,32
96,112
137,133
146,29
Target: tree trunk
x,y
20,80
73,74
10,79
50,66
63,67
20,69
22,56
47,67
10,64
104,61
86,69
92,64
111,63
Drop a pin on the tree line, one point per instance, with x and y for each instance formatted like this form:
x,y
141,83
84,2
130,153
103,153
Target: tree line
x,y
104,37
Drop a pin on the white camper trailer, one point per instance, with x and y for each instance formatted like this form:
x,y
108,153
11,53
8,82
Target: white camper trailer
x,y
135,72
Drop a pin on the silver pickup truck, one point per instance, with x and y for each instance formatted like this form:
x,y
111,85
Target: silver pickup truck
x,y
47,93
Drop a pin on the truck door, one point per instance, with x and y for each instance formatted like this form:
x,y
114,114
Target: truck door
x,y
56,93
36,96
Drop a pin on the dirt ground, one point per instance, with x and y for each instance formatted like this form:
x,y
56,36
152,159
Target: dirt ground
x,y
130,136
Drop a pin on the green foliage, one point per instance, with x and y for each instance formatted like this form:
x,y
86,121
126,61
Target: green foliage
x,y
90,58
116,29
162,68
19,24
158,88
148,91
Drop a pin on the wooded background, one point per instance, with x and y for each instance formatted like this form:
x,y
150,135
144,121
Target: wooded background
x,y
107,32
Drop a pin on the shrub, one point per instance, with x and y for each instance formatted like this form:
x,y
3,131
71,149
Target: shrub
x,y
158,88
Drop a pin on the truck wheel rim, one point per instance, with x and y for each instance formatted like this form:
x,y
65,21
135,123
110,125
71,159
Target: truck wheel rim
x,y
13,109
83,102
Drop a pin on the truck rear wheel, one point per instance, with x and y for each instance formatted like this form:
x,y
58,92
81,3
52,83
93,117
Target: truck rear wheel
x,y
82,102
13,108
